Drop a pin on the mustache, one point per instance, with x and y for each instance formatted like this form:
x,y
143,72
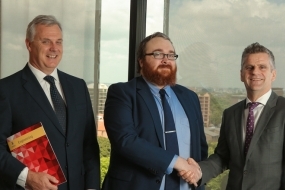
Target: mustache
x,y
164,66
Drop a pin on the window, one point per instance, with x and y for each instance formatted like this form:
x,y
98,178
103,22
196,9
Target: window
x,y
78,34
210,36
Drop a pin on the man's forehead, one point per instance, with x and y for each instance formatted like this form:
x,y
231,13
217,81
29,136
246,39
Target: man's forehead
x,y
159,44
258,58
48,32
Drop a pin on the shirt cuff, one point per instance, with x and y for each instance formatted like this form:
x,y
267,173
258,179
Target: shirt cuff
x,y
171,165
23,177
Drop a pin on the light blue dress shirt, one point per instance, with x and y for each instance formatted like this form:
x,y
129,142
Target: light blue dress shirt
x,y
182,128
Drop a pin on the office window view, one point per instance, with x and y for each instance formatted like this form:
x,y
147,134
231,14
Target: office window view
x,y
209,37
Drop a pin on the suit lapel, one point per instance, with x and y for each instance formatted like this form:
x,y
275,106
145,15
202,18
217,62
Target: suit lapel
x,y
262,122
31,84
145,93
238,126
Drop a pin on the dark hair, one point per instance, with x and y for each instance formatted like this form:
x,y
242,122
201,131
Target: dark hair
x,y
47,20
257,48
141,49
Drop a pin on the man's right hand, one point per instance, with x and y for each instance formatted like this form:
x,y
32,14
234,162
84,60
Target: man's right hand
x,y
40,181
191,176
189,170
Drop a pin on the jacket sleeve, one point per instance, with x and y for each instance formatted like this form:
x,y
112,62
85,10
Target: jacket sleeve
x,y
10,167
217,162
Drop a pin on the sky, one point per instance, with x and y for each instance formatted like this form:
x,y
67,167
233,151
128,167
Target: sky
x,y
115,37
209,36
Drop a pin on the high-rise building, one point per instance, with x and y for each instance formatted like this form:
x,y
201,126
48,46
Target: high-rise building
x,y
102,95
102,90
205,108
91,92
101,131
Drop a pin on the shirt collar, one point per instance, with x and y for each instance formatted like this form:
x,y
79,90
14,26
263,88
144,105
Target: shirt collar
x,y
155,90
40,75
263,99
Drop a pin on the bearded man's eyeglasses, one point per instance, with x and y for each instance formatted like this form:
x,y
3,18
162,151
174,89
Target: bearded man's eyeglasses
x,y
159,55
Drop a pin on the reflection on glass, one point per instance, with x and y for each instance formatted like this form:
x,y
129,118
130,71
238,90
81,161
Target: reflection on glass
x,y
78,34
115,24
209,37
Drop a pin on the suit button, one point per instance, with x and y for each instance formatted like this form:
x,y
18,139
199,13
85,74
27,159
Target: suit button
x,y
66,167
67,144
244,172
158,181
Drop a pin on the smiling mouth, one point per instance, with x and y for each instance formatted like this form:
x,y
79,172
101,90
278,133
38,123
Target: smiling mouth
x,y
52,56
255,79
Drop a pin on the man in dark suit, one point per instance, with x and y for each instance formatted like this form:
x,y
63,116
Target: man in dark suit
x,y
134,121
251,143
25,99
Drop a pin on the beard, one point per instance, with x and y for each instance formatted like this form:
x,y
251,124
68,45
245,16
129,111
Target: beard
x,y
163,75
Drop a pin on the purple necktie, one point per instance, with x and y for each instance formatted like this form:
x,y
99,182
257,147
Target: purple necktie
x,y
249,125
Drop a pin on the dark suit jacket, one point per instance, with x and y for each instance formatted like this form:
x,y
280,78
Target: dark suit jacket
x,y
263,168
23,103
138,159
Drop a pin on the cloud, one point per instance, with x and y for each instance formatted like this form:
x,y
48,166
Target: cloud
x,y
225,28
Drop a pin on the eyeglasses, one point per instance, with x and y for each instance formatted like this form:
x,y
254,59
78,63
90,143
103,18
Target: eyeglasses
x,y
159,55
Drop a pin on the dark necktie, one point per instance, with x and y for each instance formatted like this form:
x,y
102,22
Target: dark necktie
x,y
172,181
58,103
249,125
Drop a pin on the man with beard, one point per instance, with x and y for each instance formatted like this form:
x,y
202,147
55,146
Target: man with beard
x,y
142,154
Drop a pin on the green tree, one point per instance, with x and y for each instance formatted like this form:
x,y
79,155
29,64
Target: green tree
x,y
218,104
105,146
105,149
104,167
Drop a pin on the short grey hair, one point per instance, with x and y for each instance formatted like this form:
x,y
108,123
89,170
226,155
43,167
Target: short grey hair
x,y
257,48
47,20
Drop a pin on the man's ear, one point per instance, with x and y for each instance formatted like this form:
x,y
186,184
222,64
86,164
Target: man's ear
x,y
273,75
28,43
141,63
241,78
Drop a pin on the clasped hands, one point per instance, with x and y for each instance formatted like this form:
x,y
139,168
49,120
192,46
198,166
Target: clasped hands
x,y
188,170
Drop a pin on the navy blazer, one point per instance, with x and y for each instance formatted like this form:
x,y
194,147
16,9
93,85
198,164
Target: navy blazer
x,y
24,103
138,158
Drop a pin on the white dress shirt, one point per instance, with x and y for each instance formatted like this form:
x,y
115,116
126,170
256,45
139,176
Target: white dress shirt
x,y
256,111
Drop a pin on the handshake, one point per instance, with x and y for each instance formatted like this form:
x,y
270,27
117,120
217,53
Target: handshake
x,y
188,170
